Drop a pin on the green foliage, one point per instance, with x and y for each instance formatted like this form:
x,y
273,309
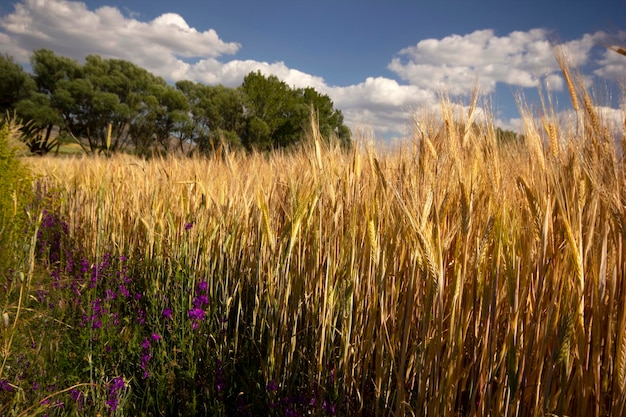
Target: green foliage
x,y
278,116
15,84
508,136
14,192
148,116
216,114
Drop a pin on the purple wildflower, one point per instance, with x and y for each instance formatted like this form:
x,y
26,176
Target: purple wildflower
x,y
84,266
196,313
271,386
200,300
141,316
146,343
167,313
203,286
77,396
115,386
123,291
110,295
328,407
188,225
220,381
155,336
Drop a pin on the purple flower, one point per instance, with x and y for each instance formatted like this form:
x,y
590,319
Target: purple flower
x,y
203,286
167,313
155,336
271,386
196,313
141,316
115,386
145,358
146,343
200,300
328,407
96,306
188,225
84,266
122,289
77,396
220,381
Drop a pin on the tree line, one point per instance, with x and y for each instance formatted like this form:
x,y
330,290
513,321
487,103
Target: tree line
x,y
113,105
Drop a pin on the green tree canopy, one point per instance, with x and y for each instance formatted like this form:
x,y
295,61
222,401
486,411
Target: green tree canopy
x,y
145,113
278,116
15,84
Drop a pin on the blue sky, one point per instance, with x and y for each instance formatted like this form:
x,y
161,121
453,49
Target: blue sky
x,y
380,61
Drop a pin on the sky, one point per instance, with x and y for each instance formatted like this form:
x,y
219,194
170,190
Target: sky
x,y
380,61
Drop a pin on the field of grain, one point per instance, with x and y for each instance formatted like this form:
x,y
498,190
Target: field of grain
x,y
455,275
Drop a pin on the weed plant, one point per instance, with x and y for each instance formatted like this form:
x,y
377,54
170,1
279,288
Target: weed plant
x,y
454,276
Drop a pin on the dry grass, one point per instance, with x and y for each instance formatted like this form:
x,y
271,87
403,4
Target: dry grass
x,y
457,276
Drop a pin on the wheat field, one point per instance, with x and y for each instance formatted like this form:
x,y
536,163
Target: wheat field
x,y
456,275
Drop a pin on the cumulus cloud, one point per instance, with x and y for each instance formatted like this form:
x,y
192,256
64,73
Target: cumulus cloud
x,y
381,104
169,47
71,29
457,63
612,64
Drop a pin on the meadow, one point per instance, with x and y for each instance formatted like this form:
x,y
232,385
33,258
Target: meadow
x,y
454,275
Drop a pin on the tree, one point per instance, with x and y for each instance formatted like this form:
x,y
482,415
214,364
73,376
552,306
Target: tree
x,y
275,117
330,120
216,112
165,111
278,116
15,84
115,105
40,107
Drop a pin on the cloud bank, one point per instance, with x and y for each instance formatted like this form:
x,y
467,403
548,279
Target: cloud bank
x,y
169,47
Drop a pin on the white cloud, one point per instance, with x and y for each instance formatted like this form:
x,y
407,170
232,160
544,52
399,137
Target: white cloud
x,y
169,47
163,45
612,65
70,29
457,64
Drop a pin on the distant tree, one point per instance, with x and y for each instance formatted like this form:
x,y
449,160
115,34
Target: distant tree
x,y
277,115
144,113
15,84
142,108
330,120
216,114
41,108
165,111
508,136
